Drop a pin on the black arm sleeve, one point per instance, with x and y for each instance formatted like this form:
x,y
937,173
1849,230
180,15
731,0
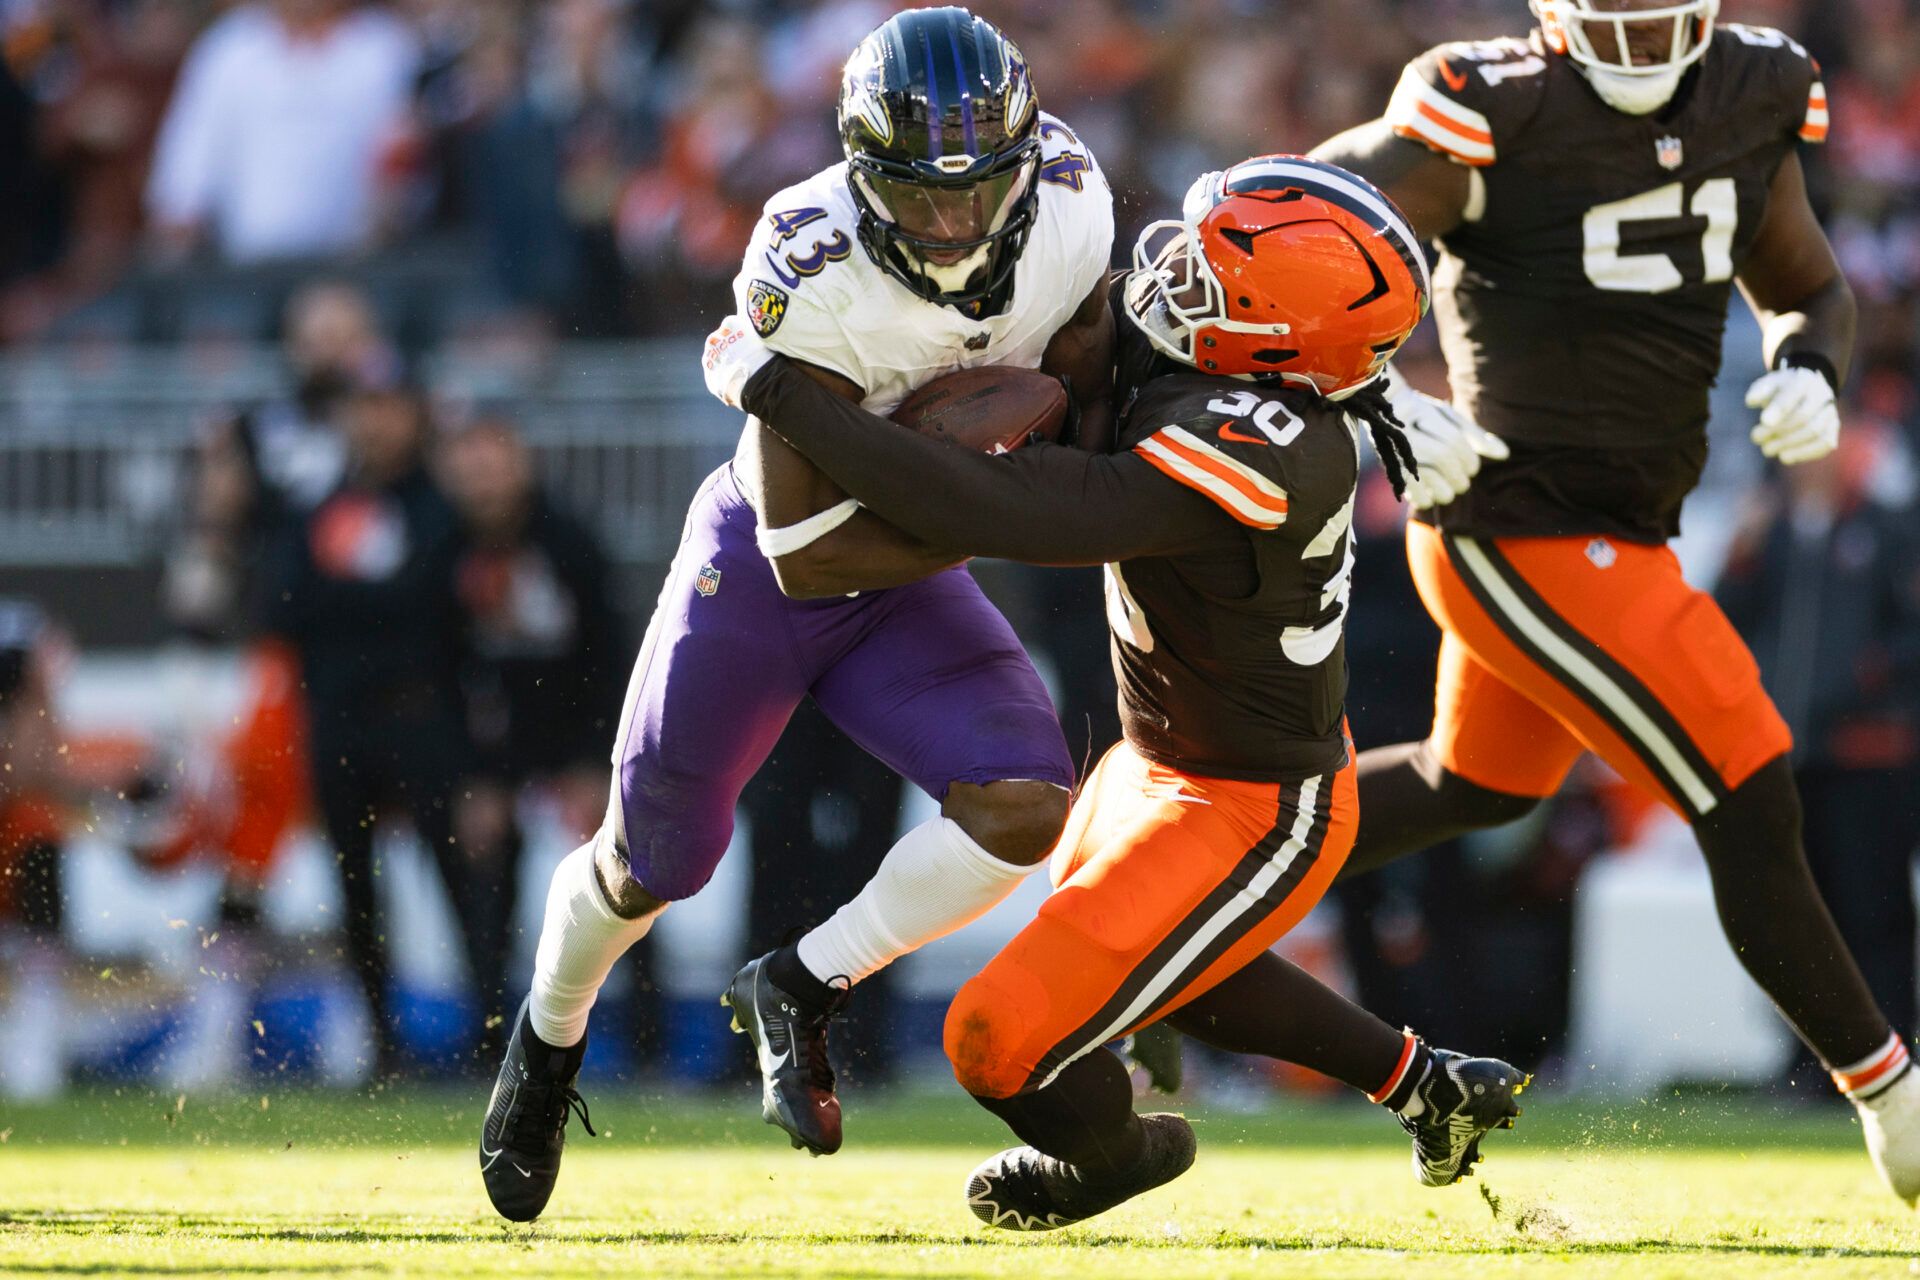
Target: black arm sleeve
x,y
1043,504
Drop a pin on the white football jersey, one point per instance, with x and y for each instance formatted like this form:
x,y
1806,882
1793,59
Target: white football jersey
x,y
812,293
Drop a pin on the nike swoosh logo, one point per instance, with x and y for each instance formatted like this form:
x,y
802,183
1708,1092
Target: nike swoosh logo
x,y
1227,432
524,1171
1455,81
775,1064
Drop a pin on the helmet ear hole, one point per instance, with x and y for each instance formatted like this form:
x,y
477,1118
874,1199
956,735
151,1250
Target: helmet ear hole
x,y
1275,355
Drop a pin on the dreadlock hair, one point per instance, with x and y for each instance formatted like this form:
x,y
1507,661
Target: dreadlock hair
x,y
1369,404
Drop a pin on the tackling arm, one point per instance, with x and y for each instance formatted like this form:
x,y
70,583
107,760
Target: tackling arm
x,y
863,552
1082,353
1043,504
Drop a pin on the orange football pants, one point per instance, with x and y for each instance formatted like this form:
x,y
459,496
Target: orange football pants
x,y
1555,646
1164,884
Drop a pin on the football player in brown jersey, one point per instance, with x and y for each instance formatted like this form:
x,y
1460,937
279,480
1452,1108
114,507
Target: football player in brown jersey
x,y
1596,190
1261,322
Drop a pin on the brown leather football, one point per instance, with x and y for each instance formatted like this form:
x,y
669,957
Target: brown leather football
x,y
992,409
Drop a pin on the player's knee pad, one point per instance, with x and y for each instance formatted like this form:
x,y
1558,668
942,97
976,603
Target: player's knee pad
x,y
985,1031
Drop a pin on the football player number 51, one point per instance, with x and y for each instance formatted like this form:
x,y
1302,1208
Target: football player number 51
x,y
1653,272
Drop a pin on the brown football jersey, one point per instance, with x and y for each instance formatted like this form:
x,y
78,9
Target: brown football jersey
x,y
1582,302
1231,658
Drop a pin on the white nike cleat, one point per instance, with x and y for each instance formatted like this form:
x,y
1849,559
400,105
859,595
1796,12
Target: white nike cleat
x,y
1891,1122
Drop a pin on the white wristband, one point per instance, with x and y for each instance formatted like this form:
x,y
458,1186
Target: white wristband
x,y
775,543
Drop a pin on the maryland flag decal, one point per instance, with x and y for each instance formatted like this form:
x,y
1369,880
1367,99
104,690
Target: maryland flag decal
x,y
766,307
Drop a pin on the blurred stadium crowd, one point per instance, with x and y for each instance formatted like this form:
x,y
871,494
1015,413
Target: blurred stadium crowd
x,y
366,199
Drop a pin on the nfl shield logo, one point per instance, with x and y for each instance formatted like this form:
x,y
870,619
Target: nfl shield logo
x,y
707,581
1669,152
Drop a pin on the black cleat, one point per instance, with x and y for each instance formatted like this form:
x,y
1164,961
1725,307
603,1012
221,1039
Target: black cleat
x,y
1158,1051
1022,1190
789,1038
526,1127
1466,1099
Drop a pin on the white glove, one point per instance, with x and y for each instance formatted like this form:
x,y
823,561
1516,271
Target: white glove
x,y
1446,443
734,353
1798,418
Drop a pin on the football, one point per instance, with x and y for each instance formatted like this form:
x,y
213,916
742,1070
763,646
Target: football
x,y
993,409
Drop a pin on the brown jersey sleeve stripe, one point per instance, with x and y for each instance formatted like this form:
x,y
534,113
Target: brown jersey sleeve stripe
x,y
1258,884
1421,112
1240,491
1814,128
1613,693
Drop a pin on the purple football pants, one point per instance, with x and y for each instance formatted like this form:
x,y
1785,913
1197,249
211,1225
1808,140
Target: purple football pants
x,y
928,678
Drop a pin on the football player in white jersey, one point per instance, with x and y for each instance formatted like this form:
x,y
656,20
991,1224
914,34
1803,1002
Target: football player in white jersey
x,y
964,228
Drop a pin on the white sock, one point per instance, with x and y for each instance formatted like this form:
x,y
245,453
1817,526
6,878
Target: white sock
x,y
1875,1074
579,942
934,881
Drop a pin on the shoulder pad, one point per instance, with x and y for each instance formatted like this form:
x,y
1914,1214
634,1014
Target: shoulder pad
x,y
1462,99
1076,201
1066,161
1228,444
1791,72
792,286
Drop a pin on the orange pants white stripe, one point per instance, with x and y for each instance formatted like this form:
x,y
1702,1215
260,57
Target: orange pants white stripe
x,y
1164,884
1555,646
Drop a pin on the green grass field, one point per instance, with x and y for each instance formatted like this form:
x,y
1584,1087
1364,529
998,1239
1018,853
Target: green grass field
x,y
301,1184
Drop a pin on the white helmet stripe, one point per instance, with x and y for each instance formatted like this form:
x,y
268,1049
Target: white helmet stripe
x,y
1332,180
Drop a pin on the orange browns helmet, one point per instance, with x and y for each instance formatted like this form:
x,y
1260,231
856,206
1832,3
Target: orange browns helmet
x,y
1284,268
